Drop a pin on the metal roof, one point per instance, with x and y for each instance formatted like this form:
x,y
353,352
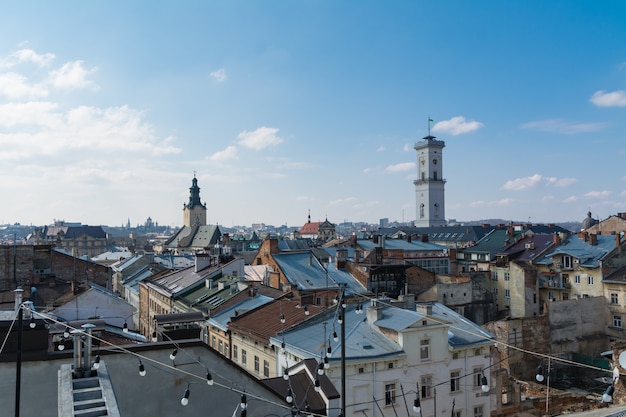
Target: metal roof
x,y
304,270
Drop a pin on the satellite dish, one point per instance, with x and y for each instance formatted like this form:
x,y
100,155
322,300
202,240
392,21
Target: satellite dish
x,y
622,359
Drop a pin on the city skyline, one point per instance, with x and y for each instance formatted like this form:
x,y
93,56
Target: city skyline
x,y
108,110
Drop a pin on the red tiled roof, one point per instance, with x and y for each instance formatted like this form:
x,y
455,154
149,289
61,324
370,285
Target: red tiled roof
x,y
264,322
310,228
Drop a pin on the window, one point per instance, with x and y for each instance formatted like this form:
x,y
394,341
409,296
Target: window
x,y
478,351
426,386
226,351
495,291
390,365
220,347
390,394
478,376
256,364
494,275
589,279
507,293
576,279
266,369
455,381
507,275
614,299
567,261
361,370
244,357
617,321
478,411
457,413
213,342
425,349
235,352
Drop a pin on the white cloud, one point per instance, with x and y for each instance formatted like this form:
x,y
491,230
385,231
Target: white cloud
x,y
380,149
72,75
227,154
562,126
260,138
525,183
16,86
44,131
560,182
605,99
456,126
219,75
401,167
522,183
597,194
407,147
27,55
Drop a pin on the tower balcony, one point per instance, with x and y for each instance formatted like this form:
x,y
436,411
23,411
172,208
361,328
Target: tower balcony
x,y
429,181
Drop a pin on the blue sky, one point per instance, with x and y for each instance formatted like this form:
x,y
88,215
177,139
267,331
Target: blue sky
x,y
280,107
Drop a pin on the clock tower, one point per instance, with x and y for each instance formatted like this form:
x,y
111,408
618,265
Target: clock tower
x,y
429,185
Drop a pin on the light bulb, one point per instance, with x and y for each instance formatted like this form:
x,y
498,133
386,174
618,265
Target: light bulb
x,y
326,363
61,345
335,337
185,400
282,318
66,332
96,364
142,369
173,354
244,402
329,352
484,384
317,385
416,405
154,336
125,328
209,378
32,323
289,397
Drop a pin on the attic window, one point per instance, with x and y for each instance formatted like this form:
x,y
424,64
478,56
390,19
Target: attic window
x,y
368,347
424,322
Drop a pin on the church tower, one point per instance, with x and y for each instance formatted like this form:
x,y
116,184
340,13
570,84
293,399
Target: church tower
x,y
194,212
429,186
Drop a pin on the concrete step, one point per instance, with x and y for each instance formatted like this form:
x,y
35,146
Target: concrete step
x,y
87,393
82,405
91,412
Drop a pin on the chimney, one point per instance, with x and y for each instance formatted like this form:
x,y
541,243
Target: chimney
x,y
375,239
408,238
593,239
556,239
408,301
618,241
341,258
203,260
424,237
424,308
510,231
374,312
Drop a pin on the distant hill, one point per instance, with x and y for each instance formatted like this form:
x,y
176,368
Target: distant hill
x,y
571,226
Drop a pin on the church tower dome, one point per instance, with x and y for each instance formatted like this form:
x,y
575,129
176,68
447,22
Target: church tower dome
x,y
194,212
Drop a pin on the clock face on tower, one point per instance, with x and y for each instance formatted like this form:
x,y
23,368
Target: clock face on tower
x,y
423,161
